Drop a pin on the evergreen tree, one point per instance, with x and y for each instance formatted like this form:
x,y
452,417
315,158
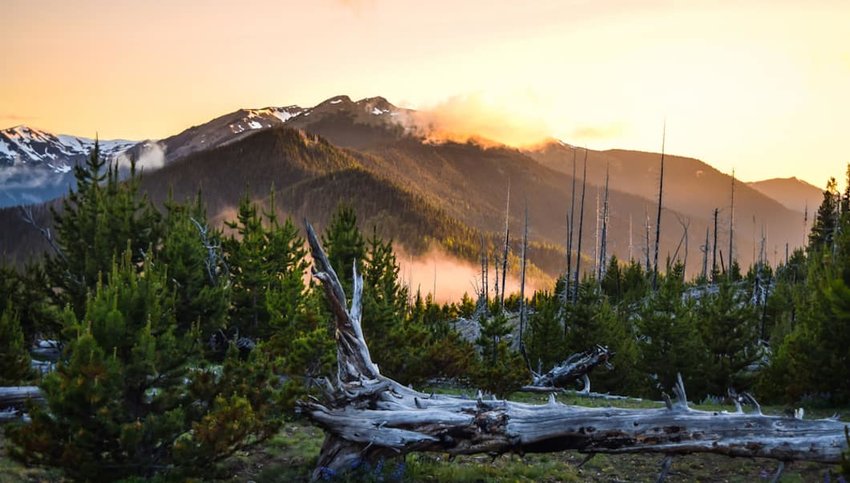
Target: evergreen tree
x,y
267,263
500,370
826,219
545,342
14,358
467,306
192,252
119,405
669,341
729,326
97,223
612,282
592,320
635,289
28,292
344,245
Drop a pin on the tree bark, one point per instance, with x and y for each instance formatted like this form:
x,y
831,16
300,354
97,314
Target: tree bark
x,y
367,416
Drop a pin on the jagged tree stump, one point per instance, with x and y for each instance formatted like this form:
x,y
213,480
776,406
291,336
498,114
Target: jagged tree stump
x,y
367,416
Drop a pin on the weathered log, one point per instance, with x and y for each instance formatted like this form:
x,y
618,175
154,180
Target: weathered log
x,y
367,416
17,396
575,367
13,401
47,350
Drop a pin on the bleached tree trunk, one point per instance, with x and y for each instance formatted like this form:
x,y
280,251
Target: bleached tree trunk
x,y
367,416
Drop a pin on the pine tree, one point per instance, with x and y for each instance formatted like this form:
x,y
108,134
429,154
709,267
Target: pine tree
x,y
669,341
267,263
246,255
612,281
545,341
126,399
729,326
97,223
344,244
28,291
192,252
826,220
500,371
14,358
399,343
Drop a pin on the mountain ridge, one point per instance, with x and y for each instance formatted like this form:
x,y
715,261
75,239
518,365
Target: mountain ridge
x,y
468,181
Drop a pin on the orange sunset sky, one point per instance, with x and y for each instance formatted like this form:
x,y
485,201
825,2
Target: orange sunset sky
x,y
759,86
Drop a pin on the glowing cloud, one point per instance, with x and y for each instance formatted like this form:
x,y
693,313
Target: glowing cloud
x,y
471,117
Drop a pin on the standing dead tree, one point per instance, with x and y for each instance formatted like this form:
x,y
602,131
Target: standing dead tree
x,y
522,305
732,220
580,228
505,247
367,416
603,242
658,216
570,223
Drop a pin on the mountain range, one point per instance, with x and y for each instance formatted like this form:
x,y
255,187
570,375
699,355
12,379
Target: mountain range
x,y
424,194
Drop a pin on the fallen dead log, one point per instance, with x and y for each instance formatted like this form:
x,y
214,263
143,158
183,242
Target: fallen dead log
x,y
575,367
17,396
367,416
47,350
13,401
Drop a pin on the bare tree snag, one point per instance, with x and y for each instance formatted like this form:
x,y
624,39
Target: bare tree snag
x,y
658,215
367,416
580,227
506,246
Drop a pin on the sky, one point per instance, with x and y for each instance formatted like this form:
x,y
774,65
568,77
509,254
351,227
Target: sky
x,y
761,87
